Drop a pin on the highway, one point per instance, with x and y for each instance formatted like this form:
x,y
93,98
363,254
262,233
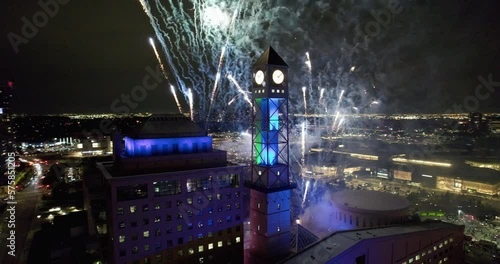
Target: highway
x,y
24,214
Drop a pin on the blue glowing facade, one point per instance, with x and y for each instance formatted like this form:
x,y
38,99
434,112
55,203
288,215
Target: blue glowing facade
x,y
166,146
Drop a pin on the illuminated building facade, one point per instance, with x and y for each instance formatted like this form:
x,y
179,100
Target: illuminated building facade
x,y
6,133
171,197
270,186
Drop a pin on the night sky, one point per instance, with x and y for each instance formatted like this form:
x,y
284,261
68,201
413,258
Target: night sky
x,y
426,60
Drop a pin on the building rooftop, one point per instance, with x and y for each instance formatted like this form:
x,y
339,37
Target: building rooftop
x,y
335,244
370,200
168,126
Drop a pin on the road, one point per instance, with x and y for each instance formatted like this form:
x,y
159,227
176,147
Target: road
x,y
25,213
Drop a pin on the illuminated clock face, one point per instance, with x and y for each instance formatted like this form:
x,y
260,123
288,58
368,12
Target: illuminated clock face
x,y
278,77
259,77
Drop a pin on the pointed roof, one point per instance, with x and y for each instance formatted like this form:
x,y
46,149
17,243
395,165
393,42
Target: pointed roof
x,y
271,57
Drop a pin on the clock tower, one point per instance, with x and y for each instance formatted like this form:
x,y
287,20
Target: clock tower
x,y
270,186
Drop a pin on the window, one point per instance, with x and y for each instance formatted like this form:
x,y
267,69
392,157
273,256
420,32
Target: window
x,y
237,205
121,238
145,208
120,211
228,195
237,228
228,218
169,217
258,205
279,229
132,209
169,243
169,230
189,200
361,259
180,241
209,197
258,227
123,253
219,208
228,207
146,247
219,244
209,234
228,181
145,221
200,236
190,226
219,196
190,251
201,184
179,228
158,258
157,206
200,212
179,215
210,246
229,230
200,224
180,252
145,233
210,210
122,225
237,217
190,238
238,239
157,246
135,250
165,188
228,242
237,194
200,200
131,192
169,204
200,248
158,232
134,237
190,213
157,219
210,222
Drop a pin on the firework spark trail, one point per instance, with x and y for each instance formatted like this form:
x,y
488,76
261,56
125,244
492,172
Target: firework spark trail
x,y
234,99
337,109
151,41
172,90
308,183
305,100
190,97
245,95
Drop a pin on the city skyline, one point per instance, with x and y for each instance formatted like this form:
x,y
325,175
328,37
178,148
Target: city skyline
x,y
428,59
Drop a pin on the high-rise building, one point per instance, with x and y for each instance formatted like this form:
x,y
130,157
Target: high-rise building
x,y
6,133
171,198
270,185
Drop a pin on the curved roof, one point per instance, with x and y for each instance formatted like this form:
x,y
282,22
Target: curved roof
x,y
370,200
168,126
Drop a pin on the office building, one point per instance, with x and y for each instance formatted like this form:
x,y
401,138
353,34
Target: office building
x,y
170,197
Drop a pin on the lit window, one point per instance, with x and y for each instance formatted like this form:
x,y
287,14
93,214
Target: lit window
x,y
120,211
238,239
279,206
179,215
200,248
451,239
157,206
423,253
200,236
79,145
410,260
145,208
179,228
435,248
258,205
445,259
122,225
219,196
157,219
440,245
146,233
417,257
258,227
228,207
121,239
200,224
132,209
210,210
190,226
191,251
279,228
446,242
219,244
210,246
158,232
190,200
95,145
